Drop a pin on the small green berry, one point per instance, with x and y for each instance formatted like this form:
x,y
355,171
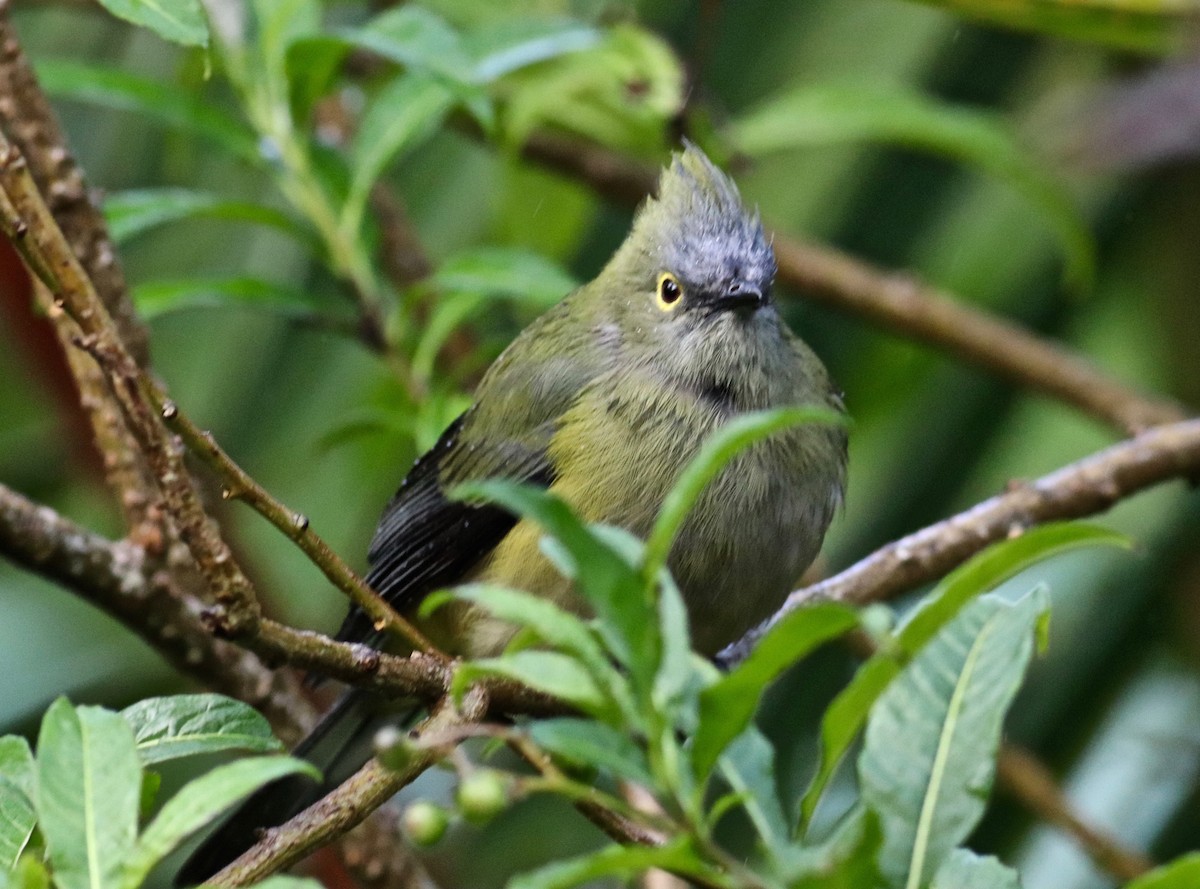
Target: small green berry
x,y
482,796
393,747
425,823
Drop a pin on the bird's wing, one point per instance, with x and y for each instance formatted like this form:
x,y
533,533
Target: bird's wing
x,y
425,540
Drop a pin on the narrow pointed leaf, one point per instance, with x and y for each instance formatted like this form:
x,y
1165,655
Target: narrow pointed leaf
x,y
199,802
620,862
130,213
727,707
847,714
185,725
928,759
89,781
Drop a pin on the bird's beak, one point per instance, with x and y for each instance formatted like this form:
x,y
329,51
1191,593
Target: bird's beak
x,y
743,296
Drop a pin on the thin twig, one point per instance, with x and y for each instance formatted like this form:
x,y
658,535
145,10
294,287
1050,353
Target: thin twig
x,y
1023,776
349,803
239,485
896,302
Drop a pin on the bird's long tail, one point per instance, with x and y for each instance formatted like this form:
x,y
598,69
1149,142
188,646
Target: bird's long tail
x,y
338,746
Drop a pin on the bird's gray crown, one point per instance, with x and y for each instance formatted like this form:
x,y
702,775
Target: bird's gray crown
x,y
698,228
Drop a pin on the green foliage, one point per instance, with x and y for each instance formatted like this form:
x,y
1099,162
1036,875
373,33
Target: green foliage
x,y
180,21
69,817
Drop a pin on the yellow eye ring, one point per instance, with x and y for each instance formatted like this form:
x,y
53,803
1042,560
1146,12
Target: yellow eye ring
x,y
669,291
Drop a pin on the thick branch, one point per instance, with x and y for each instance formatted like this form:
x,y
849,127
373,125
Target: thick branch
x,y
897,303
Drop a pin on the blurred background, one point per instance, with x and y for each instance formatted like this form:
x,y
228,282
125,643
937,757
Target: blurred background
x,y
1104,257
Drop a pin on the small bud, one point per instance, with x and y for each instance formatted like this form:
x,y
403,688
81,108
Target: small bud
x,y
482,796
425,823
169,410
300,521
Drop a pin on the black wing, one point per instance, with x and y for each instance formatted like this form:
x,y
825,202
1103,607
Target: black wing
x,y
426,541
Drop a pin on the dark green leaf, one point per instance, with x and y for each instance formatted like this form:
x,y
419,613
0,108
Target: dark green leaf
x,y
996,564
199,802
621,862
717,451
170,105
963,869
157,298
727,707
89,779
17,819
833,114
590,743
180,21
1182,873
311,65
185,725
130,213
929,755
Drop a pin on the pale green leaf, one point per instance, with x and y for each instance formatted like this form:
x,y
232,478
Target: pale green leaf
x,y
89,781
185,725
963,869
928,758
590,743
551,672
17,819
848,713
621,862
16,763
179,21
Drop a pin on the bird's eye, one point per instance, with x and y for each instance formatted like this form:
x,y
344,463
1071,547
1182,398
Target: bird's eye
x,y
669,291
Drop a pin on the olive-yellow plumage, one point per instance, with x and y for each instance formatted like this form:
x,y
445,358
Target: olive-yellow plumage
x,y
604,400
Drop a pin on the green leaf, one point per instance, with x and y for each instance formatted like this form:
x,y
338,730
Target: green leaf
x,y
610,582
523,275
1151,26
720,448
164,102
832,114
556,674
416,38
157,298
728,706
405,112
1182,873
30,873
130,213
845,861
16,763
963,869
185,725
507,46
284,881
749,767
199,802
987,570
17,820
675,681
311,64
89,779
621,862
594,744
929,756
179,21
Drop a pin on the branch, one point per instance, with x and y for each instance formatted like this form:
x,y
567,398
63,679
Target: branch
x,y
113,576
1087,487
896,302
1030,781
350,802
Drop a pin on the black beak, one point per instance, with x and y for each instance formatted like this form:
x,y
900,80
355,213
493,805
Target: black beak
x,y
743,296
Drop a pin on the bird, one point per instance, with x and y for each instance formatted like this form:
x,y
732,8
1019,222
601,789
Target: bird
x,y
603,401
